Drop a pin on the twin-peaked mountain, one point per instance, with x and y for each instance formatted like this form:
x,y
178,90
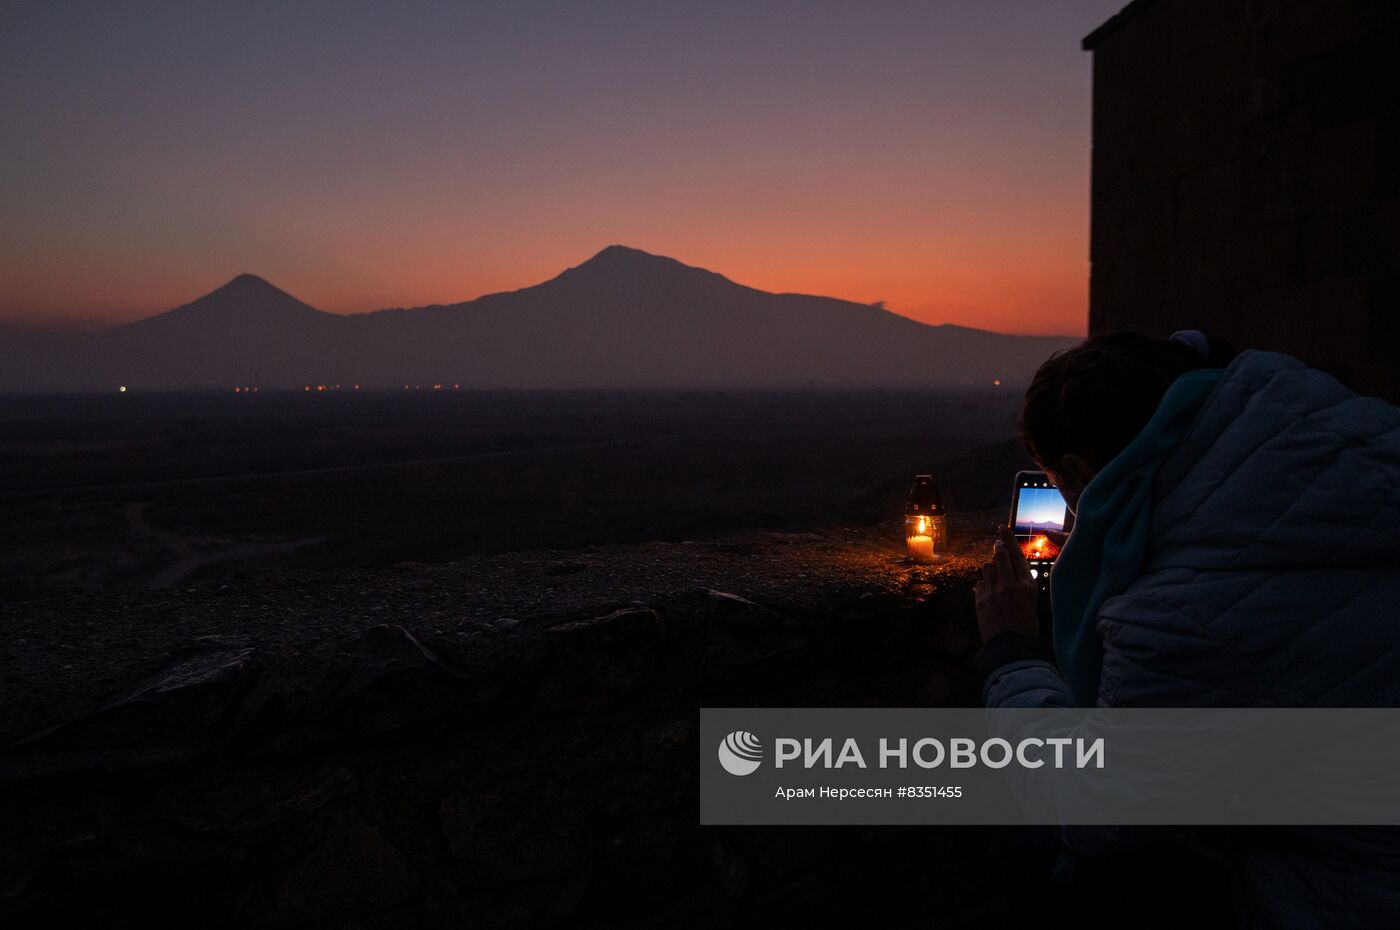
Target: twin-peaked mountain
x,y
624,318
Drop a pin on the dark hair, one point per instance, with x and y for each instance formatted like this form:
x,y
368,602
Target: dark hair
x,y
1093,399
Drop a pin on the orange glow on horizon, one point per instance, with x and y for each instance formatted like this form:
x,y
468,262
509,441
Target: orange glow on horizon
x,y
1013,289
933,158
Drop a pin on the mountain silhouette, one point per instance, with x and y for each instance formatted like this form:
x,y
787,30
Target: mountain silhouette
x,y
246,300
624,318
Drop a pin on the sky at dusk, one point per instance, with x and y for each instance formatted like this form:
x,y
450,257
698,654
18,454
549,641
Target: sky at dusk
x,y
933,155
1039,506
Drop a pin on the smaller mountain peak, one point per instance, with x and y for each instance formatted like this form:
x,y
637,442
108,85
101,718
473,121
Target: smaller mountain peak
x,y
247,281
244,297
246,287
250,289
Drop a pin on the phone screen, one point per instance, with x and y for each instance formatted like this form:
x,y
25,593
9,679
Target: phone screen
x,y
1037,510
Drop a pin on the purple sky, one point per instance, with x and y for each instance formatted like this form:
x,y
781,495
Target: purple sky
x,y
934,155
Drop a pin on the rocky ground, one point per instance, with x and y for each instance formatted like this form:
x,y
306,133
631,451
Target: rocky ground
x,y
501,741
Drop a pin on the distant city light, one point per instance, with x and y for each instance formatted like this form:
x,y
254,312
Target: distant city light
x,y
997,382
122,389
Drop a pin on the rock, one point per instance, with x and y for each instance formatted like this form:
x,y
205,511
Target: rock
x,y
497,771
491,657
522,829
596,663
502,625
253,806
648,859
953,639
384,682
347,869
729,870
740,632
564,567
524,832
134,874
171,716
656,762
378,654
935,692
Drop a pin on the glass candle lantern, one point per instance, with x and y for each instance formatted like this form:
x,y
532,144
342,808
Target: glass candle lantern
x,y
925,521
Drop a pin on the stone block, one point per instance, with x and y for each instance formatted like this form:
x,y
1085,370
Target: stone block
x,y
599,662
349,870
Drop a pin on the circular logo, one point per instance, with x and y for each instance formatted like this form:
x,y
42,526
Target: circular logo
x,y
740,753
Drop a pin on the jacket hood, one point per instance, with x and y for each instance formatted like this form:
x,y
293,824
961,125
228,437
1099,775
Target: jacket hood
x,y
1284,467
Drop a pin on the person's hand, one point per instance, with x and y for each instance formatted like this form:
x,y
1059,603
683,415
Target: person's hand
x,y
1007,594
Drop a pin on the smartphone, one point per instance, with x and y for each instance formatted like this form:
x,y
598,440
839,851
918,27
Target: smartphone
x,y
1038,509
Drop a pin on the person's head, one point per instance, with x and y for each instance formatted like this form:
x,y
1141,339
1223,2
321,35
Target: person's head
x,y
1087,403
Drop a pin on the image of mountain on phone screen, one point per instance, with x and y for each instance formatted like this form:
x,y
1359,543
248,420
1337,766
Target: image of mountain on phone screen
x,y
1039,518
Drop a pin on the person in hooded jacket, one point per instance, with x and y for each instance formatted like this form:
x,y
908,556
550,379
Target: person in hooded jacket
x,y
1234,545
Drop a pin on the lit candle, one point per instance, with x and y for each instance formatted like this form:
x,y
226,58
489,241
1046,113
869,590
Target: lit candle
x,y
921,548
925,521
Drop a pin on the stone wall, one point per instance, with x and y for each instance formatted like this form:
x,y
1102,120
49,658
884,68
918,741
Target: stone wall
x,y
520,762
1246,178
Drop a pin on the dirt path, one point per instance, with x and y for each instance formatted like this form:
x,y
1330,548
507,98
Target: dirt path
x,y
189,554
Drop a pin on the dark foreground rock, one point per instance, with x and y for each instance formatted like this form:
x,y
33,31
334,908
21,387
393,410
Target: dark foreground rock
x,y
505,742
